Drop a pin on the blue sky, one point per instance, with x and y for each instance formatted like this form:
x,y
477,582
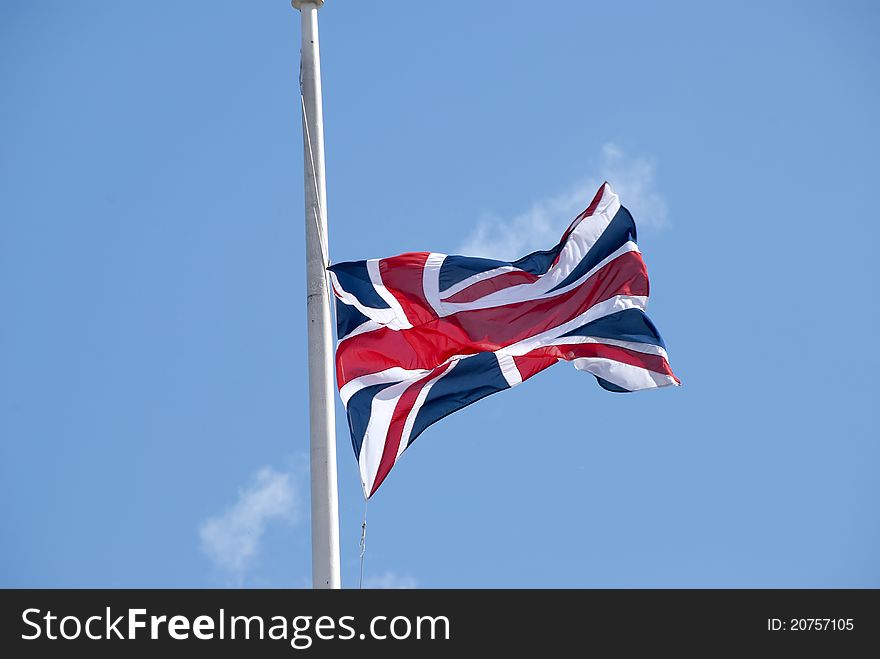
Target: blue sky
x,y
153,411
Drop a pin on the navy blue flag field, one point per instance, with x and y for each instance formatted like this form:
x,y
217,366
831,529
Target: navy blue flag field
x,y
422,334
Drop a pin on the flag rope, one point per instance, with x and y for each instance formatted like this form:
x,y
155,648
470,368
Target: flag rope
x,y
363,544
325,253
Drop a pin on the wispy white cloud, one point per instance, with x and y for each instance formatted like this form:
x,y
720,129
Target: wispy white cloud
x,y
632,178
390,581
540,227
232,540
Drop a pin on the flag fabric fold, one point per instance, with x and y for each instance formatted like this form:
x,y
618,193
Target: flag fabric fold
x,y
422,335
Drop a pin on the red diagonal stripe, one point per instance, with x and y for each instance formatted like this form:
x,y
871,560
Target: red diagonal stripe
x,y
395,429
492,285
533,363
572,351
402,276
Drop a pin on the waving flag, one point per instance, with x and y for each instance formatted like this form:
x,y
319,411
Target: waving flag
x,y
422,335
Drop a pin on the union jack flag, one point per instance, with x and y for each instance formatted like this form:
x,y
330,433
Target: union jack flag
x,y
422,335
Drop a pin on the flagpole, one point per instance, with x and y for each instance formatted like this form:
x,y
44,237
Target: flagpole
x,y
322,424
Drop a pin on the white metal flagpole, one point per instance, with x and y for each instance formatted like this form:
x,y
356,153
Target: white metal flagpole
x,y
322,424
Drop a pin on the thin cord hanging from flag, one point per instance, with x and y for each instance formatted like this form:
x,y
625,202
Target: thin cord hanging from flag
x,y
363,544
325,252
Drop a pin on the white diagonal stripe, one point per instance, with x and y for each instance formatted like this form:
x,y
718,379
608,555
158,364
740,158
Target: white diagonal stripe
x,y
373,445
394,374
402,322
508,369
417,406
623,375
